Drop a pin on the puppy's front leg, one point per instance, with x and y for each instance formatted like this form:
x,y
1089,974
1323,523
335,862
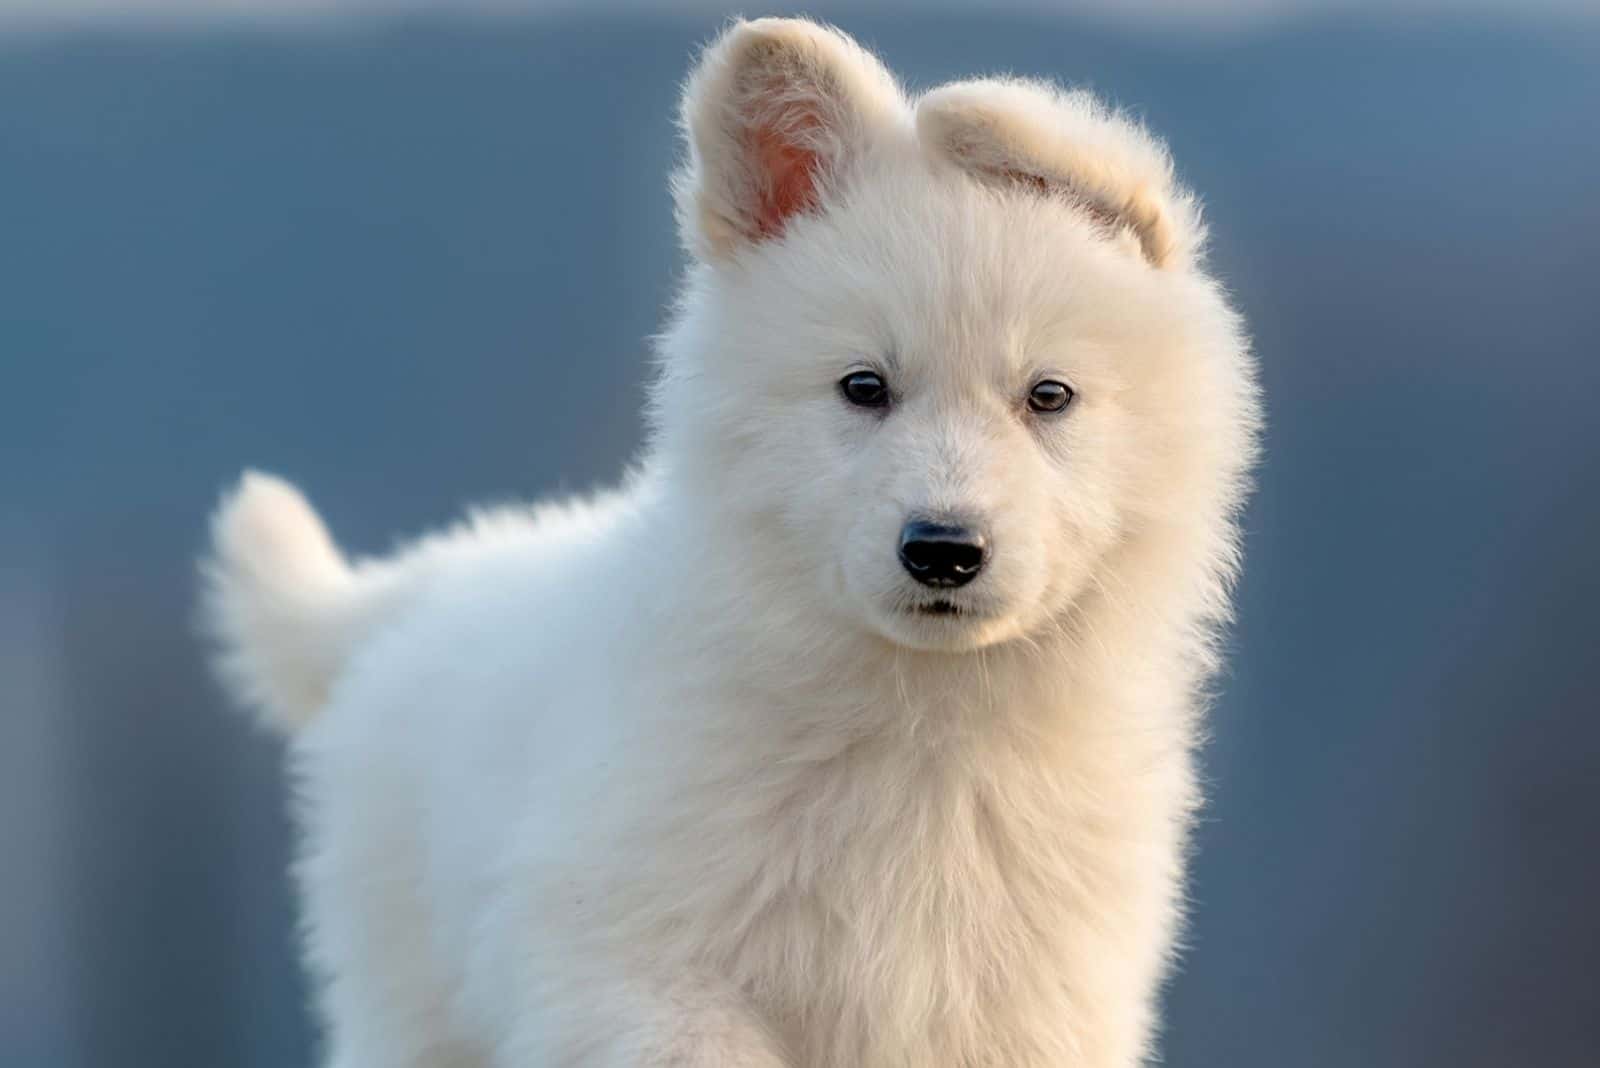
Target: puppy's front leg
x,y
699,1030
683,1024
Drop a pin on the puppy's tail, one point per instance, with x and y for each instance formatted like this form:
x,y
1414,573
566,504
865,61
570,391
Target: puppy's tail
x,y
281,603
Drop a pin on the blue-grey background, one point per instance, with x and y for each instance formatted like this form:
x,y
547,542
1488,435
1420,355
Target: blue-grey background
x,y
413,262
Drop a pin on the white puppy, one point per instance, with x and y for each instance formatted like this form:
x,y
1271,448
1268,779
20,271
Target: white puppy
x,y
856,730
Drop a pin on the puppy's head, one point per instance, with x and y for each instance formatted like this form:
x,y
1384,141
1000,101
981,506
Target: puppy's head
x,y
941,361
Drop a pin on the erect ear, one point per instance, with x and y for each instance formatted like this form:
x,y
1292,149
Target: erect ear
x,y
774,112
1067,145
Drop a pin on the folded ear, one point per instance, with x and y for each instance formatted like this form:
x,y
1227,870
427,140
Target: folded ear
x,y
1068,145
775,111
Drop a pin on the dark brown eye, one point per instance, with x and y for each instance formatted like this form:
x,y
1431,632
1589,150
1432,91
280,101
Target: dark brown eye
x,y
865,389
1050,396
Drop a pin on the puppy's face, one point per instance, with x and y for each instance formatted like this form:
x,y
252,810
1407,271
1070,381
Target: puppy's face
x,y
943,383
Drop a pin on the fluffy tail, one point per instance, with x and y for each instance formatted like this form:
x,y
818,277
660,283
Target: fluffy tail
x,y
283,606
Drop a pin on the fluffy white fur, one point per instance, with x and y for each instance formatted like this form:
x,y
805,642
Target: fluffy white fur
x,y
682,776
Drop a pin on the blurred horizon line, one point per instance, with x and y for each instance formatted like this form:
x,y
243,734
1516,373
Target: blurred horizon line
x,y
1219,16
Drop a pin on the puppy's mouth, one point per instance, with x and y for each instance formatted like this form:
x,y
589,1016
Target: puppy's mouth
x,y
938,611
947,624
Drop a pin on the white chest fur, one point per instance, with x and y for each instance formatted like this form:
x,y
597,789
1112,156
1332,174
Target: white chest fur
x,y
966,884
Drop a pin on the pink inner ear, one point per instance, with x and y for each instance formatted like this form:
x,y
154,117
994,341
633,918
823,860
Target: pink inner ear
x,y
790,171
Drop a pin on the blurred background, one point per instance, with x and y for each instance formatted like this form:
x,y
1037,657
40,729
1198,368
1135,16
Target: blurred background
x,y
409,256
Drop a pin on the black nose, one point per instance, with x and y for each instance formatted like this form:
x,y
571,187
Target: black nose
x,y
939,554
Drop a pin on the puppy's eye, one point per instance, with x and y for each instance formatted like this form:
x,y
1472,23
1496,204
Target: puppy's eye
x,y
1050,396
865,389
